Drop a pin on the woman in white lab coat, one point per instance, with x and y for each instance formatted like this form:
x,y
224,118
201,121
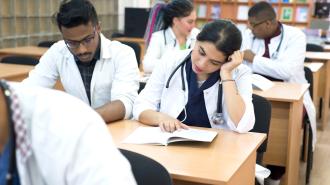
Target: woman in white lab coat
x,y
177,33
206,87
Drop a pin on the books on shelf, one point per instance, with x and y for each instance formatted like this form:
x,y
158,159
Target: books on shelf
x,y
215,11
154,136
201,10
301,14
288,1
286,13
242,12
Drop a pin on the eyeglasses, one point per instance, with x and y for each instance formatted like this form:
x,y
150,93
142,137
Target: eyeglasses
x,y
253,25
86,41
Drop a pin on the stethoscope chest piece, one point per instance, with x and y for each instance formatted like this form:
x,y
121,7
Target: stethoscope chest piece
x,y
217,118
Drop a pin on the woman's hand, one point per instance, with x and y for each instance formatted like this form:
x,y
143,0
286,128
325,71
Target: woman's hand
x,y
234,60
169,124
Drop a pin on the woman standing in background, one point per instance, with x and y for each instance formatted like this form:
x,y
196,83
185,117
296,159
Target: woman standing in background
x,y
170,27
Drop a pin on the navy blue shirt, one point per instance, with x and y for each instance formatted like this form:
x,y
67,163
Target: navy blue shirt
x,y
195,107
4,164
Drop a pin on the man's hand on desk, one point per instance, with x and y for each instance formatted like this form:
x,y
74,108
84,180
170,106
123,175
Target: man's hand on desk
x,y
248,55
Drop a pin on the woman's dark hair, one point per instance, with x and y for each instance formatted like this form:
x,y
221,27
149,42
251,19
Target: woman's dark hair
x,y
74,13
223,34
176,8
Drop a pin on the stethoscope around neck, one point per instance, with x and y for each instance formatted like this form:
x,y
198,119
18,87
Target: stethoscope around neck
x,y
217,118
275,54
12,157
165,40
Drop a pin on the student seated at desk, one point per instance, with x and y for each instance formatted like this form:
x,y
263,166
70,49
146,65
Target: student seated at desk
x,y
178,31
49,137
102,73
276,50
206,86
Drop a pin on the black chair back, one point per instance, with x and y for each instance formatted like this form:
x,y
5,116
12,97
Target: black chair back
x,y
314,47
262,111
46,44
146,170
23,60
309,78
137,49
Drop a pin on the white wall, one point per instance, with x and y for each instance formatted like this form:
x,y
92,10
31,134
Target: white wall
x,y
129,3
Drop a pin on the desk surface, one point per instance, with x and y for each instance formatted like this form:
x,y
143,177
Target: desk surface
x,y
8,71
210,163
282,91
32,51
318,55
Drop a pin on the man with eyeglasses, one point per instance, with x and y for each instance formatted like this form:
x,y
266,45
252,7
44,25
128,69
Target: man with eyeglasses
x,y
102,73
277,51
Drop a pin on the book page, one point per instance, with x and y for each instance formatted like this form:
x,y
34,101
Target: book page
x,y
193,135
154,135
147,135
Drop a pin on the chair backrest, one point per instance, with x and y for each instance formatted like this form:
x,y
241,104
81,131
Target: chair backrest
x,y
314,47
309,78
46,44
262,111
16,59
146,170
137,49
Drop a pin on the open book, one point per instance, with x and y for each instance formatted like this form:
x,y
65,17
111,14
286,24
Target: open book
x,y
153,135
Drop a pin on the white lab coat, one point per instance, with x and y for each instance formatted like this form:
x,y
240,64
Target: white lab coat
x,y
115,76
70,142
289,65
172,100
157,48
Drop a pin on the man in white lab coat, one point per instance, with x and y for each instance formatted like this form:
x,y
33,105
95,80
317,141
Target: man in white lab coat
x,y
102,73
48,137
276,50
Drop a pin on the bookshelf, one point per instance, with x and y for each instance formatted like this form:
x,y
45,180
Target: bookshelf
x,y
293,12
27,22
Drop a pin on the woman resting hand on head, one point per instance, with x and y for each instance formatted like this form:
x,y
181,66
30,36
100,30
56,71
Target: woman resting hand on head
x,y
206,86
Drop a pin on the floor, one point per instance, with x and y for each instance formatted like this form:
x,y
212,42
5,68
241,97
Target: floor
x,y
320,174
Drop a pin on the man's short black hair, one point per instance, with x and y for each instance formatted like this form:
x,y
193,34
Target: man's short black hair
x,y
262,10
73,13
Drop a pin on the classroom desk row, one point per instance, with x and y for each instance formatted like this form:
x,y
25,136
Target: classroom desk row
x,y
285,128
284,135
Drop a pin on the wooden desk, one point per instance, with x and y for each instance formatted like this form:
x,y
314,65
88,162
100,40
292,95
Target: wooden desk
x,y
229,159
17,72
323,57
316,68
32,51
284,137
14,72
